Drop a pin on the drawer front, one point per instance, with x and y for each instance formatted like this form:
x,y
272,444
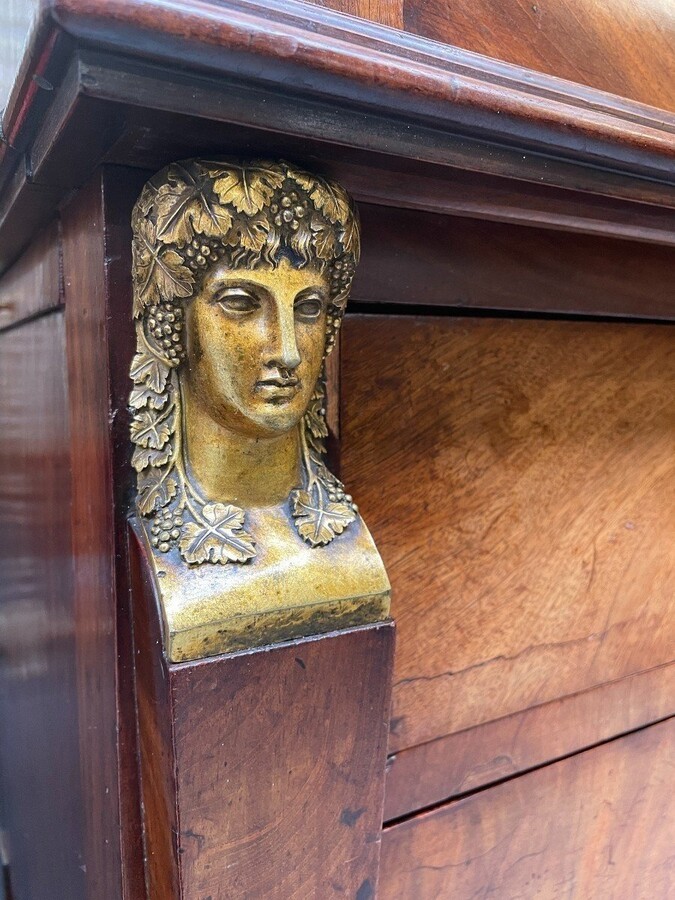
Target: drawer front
x,y
598,824
519,479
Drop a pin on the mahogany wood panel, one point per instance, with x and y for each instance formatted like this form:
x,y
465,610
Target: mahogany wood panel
x,y
621,46
41,805
33,284
416,258
263,771
438,770
598,824
518,478
92,523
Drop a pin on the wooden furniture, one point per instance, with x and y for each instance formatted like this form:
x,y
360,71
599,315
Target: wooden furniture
x,y
503,411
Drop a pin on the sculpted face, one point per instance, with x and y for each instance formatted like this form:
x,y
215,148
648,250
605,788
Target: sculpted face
x,y
255,342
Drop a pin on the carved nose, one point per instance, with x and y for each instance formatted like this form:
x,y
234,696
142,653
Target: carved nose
x,y
287,355
290,358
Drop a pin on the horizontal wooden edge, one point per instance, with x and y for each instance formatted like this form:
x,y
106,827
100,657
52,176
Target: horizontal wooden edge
x,y
383,91
325,40
443,769
333,54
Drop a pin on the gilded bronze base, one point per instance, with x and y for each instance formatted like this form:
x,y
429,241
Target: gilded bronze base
x,y
288,590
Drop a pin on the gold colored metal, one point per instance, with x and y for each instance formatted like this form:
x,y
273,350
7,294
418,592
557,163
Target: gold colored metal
x,y
241,275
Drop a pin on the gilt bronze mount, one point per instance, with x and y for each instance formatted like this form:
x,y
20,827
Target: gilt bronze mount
x,y
241,274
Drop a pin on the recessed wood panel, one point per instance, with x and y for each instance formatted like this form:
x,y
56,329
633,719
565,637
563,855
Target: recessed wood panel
x,y
599,824
519,480
41,804
421,258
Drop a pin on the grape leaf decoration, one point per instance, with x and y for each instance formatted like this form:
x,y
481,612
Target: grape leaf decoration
x,y
220,538
148,429
147,367
323,239
156,488
185,207
159,271
143,457
318,521
187,218
145,396
248,188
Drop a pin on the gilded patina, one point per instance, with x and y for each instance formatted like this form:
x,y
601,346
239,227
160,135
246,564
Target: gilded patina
x,y
242,271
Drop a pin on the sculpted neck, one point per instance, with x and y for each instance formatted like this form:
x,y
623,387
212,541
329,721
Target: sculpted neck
x,y
231,468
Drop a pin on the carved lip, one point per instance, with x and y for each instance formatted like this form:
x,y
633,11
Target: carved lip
x,y
278,388
279,381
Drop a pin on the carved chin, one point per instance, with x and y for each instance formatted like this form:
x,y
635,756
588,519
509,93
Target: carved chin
x,y
278,415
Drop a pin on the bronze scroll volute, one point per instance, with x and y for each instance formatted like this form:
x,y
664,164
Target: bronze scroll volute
x,y
241,276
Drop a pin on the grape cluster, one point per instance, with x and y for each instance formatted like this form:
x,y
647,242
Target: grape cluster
x,y
289,210
165,324
166,528
202,251
336,494
333,326
342,272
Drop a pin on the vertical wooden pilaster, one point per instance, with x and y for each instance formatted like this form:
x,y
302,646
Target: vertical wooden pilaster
x,y
262,771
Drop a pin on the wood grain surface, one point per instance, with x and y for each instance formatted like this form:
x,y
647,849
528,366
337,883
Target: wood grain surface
x,y
517,477
280,757
386,12
599,824
92,523
33,284
619,46
41,802
467,760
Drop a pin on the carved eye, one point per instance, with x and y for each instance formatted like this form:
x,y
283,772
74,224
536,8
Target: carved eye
x,y
308,308
238,301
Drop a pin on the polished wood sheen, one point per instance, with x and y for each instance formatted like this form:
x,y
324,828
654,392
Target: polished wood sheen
x,y
599,824
97,288
42,811
99,81
620,46
517,473
518,478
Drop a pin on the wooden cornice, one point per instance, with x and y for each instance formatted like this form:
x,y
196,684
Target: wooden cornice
x,y
292,69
